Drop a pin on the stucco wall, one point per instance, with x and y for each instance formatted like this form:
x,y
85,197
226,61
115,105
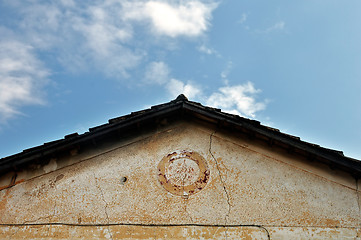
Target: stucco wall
x,y
118,192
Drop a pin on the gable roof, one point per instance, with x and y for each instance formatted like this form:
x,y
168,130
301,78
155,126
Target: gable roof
x,y
182,108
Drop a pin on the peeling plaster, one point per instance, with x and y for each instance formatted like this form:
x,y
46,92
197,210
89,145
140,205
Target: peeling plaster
x,y
51,166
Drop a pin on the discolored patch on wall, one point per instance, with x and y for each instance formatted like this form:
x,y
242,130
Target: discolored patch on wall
x,y
183,173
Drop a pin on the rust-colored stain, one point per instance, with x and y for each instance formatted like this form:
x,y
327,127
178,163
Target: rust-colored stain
x,y
4,200
7,190
183,173
13,184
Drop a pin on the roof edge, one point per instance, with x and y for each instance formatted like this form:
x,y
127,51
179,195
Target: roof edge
x,y
182,105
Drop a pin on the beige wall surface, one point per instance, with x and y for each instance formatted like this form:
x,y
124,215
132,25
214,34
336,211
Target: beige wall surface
x,y
183,182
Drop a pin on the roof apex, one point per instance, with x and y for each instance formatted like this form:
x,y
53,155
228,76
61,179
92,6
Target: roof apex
x,y
181,97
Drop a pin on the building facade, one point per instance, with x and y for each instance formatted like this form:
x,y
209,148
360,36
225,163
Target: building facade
x,y
180,170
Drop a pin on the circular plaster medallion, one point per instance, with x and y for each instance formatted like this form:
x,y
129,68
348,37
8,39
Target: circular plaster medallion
x,y
183,173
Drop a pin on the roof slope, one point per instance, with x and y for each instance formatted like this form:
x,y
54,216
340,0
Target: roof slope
x,y
182,108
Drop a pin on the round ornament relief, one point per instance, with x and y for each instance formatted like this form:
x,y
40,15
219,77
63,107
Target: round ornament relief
x,y
183,173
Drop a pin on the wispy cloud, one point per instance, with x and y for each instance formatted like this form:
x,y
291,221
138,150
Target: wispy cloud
x,y
243,18
22,76
98,36
208,50
226,71
176,87
157,72
105,40
205,49
276,27
83,35
238,99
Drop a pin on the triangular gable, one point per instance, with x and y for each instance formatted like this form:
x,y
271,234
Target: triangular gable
x,y
182,108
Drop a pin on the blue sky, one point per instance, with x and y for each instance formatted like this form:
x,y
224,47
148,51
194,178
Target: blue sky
x,y
66,66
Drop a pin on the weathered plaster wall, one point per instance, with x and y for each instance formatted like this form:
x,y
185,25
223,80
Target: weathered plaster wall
x,y
252,192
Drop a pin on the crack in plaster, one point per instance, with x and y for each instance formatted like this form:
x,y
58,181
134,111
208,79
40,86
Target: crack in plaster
x,y
223,185
226,192
105,207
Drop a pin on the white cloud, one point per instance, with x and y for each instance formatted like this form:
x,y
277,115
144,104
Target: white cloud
x,y
239,99
105,42
100,35
67,3
176,87
204,49
243,18
40,24
189,18
84,36
21,78
157,72
226,71
276,27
